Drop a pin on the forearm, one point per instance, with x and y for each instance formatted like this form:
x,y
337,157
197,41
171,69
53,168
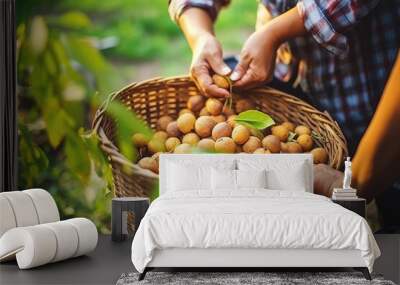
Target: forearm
x,y
378,154
195,22
287,26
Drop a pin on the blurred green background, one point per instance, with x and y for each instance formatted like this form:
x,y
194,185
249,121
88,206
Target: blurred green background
x,y
71,55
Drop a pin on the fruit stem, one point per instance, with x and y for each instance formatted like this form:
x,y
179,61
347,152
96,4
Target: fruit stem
x,y
228,100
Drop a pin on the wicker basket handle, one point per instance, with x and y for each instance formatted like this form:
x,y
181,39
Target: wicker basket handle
x,y
101,110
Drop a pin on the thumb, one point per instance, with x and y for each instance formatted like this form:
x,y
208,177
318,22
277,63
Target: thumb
x,y
219,66
241,68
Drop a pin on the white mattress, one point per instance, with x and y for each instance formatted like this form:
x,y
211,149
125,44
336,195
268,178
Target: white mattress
x,y
252,219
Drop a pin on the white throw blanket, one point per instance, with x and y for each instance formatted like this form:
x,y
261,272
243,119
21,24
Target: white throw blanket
x,y
253,218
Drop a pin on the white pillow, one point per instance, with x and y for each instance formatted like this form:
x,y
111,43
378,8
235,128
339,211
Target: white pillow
x,y
251,179
225,179
292,179
187,176
282,173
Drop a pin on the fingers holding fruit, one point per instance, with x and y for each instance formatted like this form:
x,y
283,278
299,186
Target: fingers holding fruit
x,y
257,60
207,60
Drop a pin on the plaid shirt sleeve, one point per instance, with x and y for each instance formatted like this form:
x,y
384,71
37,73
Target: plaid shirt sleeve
x,y
212,7
326,20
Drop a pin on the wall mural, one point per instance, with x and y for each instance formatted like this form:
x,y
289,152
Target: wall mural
x,y
86,142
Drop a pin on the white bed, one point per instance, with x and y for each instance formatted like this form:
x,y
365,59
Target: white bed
x,y
248,227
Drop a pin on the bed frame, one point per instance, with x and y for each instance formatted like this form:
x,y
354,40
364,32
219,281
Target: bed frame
x,y
246,257
243,259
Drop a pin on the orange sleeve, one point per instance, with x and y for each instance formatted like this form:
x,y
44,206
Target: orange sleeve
x,y
377,159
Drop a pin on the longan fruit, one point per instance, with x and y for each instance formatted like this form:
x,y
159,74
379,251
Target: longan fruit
x,y
256,133
227,111
184,111
252,144
272,143
191,138
240,134
183,148
207,145
155,166
204,126
281,132
231,121
259,150
305,141
225,145
173,130
221,130
163,122
145,162
140,140
319,155
214,106
156,145
204,112
289,126
284,147
156,156
186,122
149,163
195,103
267,151
160,135
294,147
302,130
172,143
219,119
243,105
221,81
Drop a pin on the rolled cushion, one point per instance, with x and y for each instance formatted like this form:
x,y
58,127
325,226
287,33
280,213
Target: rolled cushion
x,y
33,246
26,208
45,205
87,235
66,238
22,207
7,218
40,244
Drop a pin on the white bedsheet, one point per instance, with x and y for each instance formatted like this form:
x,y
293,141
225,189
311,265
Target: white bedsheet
x,y
252,218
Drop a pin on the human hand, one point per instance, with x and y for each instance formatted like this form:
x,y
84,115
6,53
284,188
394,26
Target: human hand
x,y
325,179
207,59
257,59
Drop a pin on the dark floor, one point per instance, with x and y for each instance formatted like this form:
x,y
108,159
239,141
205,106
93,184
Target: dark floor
x,y
103,266
110,260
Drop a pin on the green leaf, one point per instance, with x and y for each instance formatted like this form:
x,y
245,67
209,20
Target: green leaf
x,y
38,35
32,160
255,119
57,121
77,157
128,124
73,20
83,51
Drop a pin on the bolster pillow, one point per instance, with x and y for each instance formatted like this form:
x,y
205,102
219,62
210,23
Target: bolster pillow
x,y
40,244
26,208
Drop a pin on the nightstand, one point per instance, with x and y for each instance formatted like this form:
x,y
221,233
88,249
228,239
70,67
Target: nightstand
x,y
120,207
357,205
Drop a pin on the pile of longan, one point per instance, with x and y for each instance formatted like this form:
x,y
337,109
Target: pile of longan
x,y
206,125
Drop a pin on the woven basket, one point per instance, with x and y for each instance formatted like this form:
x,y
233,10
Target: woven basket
x,y
154,98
